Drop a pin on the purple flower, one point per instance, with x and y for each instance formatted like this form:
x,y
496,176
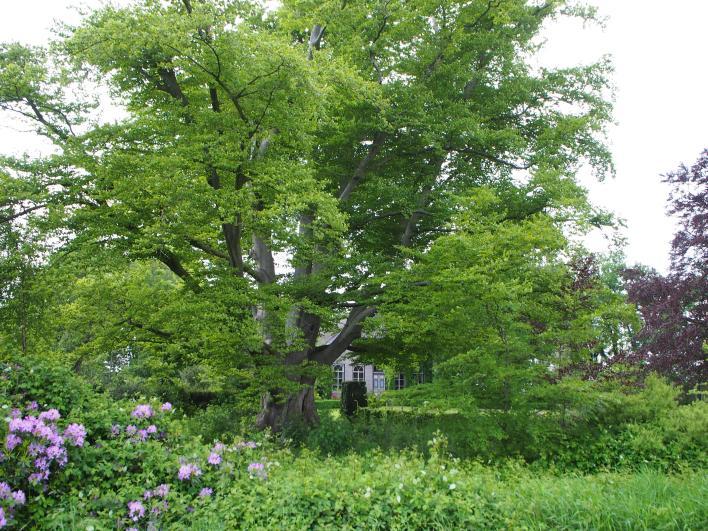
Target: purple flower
x,y
36,477
5,490
35,449
19,497
41,463
143,435
219,447
257,470
151,428
247,444
75,433
143,411
11,441
3,520
115,430
166,407
32,405
54,452
130,429
15,413
255,467
21,425
188,471
162,490
136,510
147,494
205,492
55,439
214,459
51,415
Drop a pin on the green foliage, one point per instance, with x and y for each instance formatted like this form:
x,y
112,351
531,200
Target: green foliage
x,y
406,489
353,397
405,492
346,158
573,425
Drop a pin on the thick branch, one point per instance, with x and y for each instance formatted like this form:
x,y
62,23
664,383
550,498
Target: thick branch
x,y
328,354
363,166
168,83
168,258
315,40
412,223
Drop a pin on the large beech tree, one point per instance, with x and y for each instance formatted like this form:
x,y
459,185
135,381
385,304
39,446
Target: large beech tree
x,y
283,164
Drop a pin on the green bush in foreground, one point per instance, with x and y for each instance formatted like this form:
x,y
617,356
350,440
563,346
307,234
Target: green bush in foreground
x,y
376,491
172,480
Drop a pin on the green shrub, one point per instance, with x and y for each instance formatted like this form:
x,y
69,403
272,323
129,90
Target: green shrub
x,y
353,397
258,484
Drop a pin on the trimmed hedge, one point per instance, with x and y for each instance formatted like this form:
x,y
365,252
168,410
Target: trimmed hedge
x,y
353,397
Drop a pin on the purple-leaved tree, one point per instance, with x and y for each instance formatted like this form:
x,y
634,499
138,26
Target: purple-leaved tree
x,y
674,339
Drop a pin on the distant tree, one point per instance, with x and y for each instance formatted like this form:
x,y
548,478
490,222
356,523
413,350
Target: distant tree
x,y
674,307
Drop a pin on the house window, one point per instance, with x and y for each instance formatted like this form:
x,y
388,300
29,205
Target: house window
x,y
379,381
338,377
399,382
420,377
358,373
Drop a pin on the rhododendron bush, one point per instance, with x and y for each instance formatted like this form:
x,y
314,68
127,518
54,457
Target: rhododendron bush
x,y
126,465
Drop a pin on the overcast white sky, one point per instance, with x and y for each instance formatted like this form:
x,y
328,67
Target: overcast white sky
x,y
659,50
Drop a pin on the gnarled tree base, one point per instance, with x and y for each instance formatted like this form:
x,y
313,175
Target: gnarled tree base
x,y
296,408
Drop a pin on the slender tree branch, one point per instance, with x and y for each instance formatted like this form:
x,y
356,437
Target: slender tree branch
x,y
21,213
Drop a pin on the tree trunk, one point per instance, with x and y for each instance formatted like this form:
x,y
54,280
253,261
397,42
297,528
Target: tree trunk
x,y
296,408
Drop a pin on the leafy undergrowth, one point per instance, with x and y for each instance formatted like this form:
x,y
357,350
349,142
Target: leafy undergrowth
x,y
600,430
375,491
77,460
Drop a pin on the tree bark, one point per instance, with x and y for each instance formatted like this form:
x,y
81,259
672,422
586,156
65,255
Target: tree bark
x,y
296,407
